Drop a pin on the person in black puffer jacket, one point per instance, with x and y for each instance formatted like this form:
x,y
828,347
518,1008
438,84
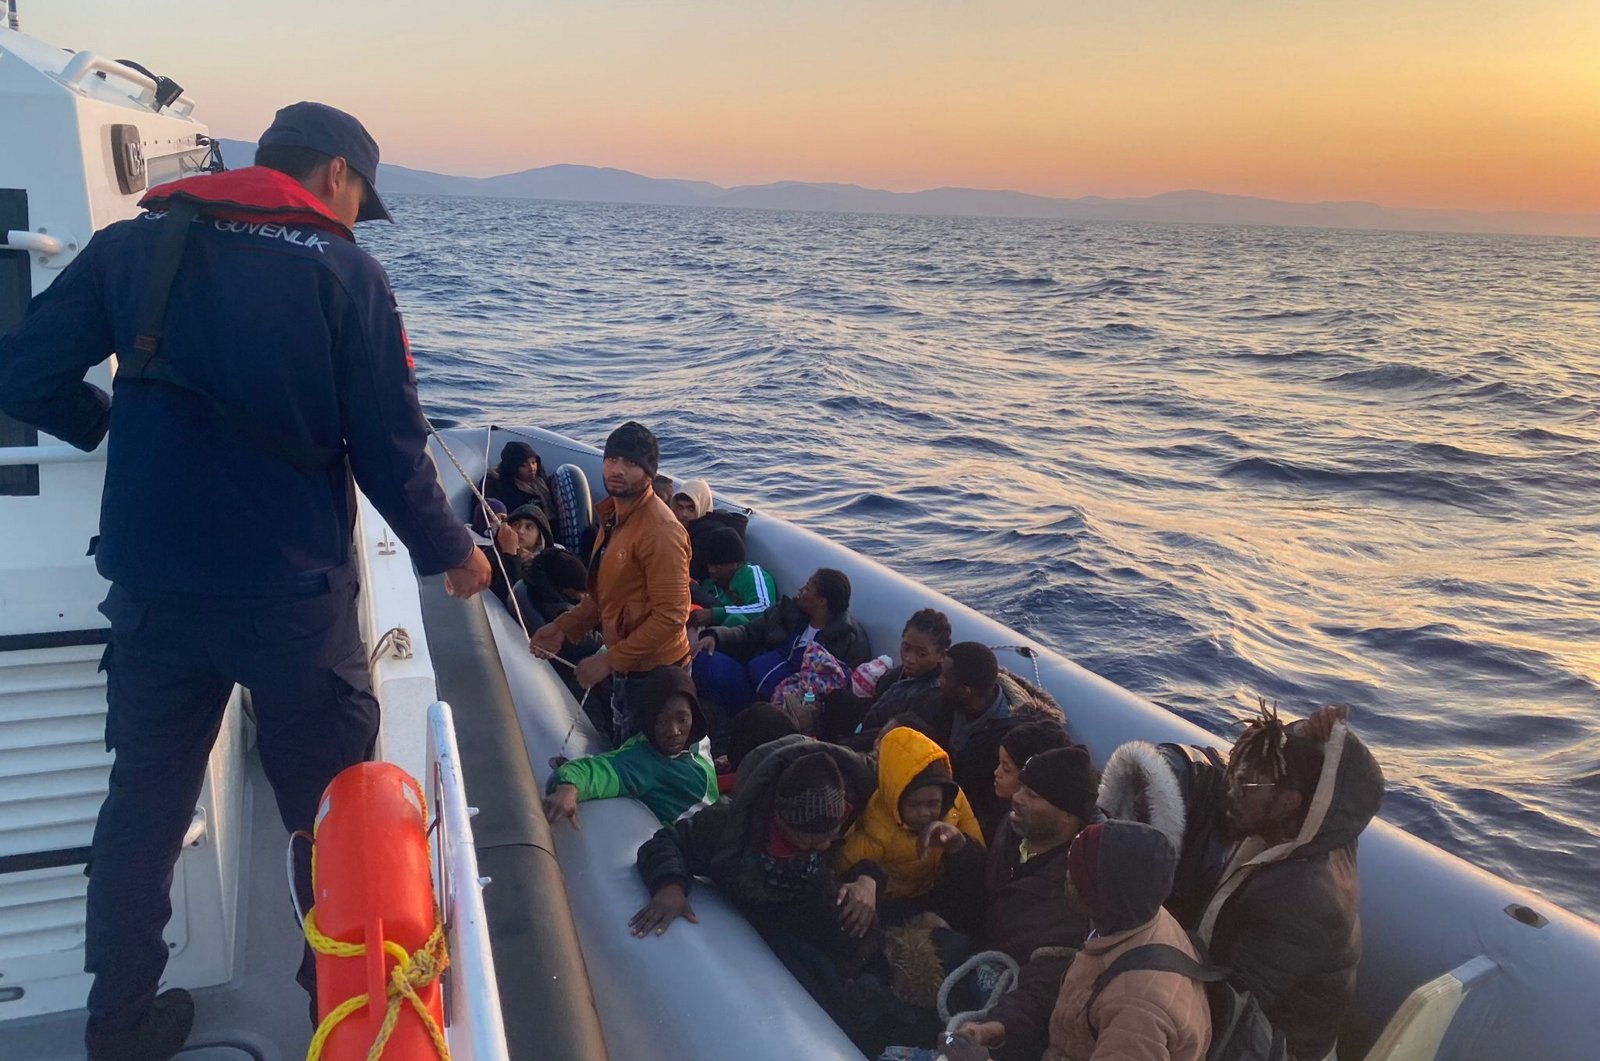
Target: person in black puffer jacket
x,y
1285,917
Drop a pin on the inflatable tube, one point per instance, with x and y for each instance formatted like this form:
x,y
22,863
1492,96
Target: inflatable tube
x,y
574,506
546,1001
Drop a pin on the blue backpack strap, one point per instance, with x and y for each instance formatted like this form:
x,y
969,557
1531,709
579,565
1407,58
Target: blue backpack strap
x,y
146,362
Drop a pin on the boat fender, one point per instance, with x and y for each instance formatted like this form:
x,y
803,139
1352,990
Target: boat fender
x,y
574,507
374,924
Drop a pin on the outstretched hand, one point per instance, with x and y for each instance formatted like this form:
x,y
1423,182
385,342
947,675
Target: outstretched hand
x,y
562,805
940,834
668,904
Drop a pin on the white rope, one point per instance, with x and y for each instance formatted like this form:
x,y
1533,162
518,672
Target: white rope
x,y
1003,983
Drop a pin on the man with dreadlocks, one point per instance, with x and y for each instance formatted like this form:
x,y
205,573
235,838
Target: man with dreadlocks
x,y
1284,914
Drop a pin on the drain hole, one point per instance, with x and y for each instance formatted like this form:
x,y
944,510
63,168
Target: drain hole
x,y
1527,915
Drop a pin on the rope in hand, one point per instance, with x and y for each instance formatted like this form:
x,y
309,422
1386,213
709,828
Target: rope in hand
x,y
410,972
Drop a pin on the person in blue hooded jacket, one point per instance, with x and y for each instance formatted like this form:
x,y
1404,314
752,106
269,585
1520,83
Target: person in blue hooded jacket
x,y
263,371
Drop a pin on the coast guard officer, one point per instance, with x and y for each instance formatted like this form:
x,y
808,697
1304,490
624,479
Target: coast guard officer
x,y
262,364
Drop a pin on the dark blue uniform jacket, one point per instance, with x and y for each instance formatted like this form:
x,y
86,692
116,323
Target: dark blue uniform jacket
x,y
278,314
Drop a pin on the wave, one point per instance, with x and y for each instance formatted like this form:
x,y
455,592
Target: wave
x,y
1410,377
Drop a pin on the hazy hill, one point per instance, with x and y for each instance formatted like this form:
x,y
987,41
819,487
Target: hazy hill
x,y
598,184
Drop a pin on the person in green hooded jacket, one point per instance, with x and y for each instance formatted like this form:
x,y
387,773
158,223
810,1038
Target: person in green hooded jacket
x,y
664,765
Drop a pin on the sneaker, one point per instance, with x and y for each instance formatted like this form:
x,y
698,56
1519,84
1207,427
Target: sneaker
x,y
159,1036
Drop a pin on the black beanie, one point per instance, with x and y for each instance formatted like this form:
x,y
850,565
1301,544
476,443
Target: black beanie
x,y
810,797
514,455
1027,739
634,442
722,545
1065,777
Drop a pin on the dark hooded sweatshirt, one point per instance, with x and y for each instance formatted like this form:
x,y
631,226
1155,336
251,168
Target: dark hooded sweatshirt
x,y
1286,919
502,484
277,314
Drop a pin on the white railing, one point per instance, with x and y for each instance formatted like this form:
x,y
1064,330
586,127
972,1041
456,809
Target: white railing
x,y
473,1023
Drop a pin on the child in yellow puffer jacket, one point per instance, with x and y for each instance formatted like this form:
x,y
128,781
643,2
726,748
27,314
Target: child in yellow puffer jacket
x,y
914,792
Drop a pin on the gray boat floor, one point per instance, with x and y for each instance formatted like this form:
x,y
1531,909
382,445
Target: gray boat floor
x,y
262,1013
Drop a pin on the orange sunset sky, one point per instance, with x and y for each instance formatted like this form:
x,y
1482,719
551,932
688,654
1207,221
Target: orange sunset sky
x,y
1493,104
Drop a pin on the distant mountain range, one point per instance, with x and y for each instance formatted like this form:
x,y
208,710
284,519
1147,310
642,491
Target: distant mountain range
x,y
603,185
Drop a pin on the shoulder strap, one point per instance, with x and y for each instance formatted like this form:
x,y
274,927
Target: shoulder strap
x,y
1157,957
170,246
147,363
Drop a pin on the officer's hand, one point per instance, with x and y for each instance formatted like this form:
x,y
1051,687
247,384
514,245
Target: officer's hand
x,y
546,641
470,578
562,805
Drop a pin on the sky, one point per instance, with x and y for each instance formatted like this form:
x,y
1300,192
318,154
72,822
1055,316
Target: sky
x,y
1493,105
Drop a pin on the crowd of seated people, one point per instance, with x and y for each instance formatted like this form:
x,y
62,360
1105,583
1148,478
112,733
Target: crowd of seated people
x,y
881,820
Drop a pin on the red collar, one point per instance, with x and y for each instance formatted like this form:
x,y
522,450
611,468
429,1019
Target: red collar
x,y
254,194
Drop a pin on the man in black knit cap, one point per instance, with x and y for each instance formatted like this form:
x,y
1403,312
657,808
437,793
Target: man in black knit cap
x,y
1025,912
638,581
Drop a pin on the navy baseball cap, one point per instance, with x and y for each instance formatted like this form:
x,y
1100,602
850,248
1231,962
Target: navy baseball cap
x,y
330,131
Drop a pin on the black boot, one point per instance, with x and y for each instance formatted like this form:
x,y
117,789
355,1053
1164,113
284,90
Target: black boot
x,y
157,1037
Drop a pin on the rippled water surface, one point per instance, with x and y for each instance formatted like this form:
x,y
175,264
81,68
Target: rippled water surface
x,y
1208,463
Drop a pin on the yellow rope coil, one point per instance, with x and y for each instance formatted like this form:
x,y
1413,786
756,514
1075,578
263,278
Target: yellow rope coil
x,y
410,972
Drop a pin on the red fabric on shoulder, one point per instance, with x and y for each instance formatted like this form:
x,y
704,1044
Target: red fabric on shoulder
x,y
255,195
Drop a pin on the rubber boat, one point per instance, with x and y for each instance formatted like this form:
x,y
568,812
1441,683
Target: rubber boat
x,y
1458,964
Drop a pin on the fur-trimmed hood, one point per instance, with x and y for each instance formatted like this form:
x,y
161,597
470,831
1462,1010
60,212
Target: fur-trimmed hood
x,y
1138,784
1029,703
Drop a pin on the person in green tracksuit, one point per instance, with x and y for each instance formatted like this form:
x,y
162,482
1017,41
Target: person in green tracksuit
x,y
664,765
742,590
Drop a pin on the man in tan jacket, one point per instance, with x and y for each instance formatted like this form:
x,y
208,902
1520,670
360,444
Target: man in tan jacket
x,y
1120,872
638,580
